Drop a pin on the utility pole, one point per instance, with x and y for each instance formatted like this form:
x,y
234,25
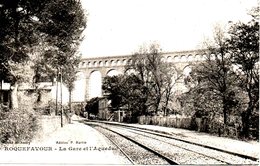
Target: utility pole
x,y
61,112
57,86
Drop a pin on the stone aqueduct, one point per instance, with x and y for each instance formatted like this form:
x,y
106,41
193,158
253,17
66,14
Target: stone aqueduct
x,y
107,65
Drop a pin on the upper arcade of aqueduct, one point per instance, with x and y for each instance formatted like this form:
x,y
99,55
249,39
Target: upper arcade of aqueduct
x,y
113,61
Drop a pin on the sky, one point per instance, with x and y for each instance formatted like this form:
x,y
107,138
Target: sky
x,y
119,27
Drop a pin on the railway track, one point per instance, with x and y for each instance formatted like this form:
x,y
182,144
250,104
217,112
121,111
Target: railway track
x,y
194,143
199,152
134,151
171,136
210,153
121,150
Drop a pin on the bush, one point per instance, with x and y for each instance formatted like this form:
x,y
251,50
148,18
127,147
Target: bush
x,y
78,109
18,125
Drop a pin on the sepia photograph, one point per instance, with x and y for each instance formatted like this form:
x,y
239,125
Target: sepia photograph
x,y
129,82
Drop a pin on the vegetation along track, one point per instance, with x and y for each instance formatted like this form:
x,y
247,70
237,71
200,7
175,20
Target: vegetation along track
x,y
210,154
135,152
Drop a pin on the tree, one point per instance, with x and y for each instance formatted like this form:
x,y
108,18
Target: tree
x,y
149,87
150,69
92,106
134,96
214,79
15,40
244,48
114,90
126,91
70,77
171,77
138,68
28,24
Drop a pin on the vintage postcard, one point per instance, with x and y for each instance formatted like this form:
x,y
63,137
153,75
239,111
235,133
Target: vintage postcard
x,y
133,82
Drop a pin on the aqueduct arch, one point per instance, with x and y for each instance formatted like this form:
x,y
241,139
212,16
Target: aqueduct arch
x,y
116,64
